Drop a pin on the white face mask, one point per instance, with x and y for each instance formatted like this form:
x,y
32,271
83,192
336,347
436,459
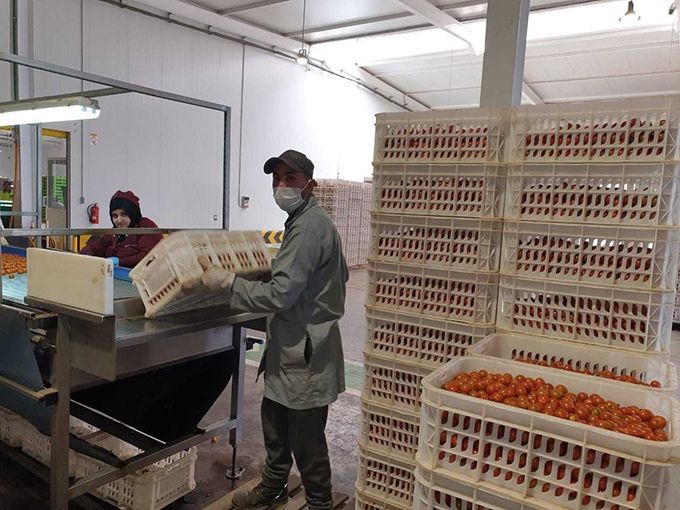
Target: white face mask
x,y
289,199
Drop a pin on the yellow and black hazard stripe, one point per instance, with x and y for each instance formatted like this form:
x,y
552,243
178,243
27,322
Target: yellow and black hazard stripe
x,y
272,236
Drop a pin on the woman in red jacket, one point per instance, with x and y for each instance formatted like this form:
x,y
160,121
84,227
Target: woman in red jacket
x,y
124,250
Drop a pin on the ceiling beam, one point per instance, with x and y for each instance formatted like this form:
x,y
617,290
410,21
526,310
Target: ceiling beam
x,y
231,25
442,20
250,7
350,24
529,92
396,94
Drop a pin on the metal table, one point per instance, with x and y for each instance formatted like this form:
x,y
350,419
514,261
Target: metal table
x,y
92,350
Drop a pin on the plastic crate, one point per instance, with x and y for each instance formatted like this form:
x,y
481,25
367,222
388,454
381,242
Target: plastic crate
x,y
439,293
460,243
620,256
519,450
39,447
390,431
385,478
179,259
440,190
624,319
630,130
436,492
152,488
11,428
425,342
464,135
392,383
363,501
615,194
646,367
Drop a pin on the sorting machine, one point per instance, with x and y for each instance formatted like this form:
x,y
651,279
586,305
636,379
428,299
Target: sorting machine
x,y
150,382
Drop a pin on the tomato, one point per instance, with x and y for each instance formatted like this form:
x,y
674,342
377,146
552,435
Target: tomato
x,y
645,414
657,422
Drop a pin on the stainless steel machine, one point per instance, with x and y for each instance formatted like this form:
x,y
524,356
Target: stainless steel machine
x,y
148,382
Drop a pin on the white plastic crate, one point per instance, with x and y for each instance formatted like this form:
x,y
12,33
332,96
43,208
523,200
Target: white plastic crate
x,y
464,135
180,258
460,243
436,492
39,447
646,367
392,383
639,130
440,293
389,430
615,194
152,488
11,428
491,443
620,256
624,319
385,478
363,501
419,340
440,190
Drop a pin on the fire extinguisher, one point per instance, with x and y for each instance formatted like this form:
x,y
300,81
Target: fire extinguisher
x,y
93,213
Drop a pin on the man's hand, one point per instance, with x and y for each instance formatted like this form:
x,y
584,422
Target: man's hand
x,y
215,278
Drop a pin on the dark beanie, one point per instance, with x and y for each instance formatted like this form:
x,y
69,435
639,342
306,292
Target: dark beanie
x,y
128,202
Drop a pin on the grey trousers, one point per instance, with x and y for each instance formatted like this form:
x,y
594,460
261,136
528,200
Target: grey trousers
x,y
300,434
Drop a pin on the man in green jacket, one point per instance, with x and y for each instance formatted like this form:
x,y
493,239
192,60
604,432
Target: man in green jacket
x,y
303,360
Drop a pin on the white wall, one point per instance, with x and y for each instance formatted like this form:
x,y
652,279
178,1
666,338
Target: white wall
x,y
170,154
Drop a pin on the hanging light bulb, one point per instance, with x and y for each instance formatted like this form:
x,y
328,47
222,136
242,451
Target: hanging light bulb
x,y
631,17
302,57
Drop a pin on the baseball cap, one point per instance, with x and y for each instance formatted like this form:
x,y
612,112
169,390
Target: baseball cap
x,y
294,160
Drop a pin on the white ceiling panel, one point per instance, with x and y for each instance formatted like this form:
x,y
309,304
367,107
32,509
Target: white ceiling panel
x,y
436,79
286,17
457,98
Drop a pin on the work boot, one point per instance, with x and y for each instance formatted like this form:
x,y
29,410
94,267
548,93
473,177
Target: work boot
x,y
259,497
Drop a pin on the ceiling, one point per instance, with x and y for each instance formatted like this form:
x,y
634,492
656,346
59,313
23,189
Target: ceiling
x,y
413,48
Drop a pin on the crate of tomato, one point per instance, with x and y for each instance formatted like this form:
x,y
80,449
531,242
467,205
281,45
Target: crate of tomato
x,y
564,439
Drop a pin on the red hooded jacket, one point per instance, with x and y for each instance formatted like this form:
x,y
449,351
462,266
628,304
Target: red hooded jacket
x,y
130,249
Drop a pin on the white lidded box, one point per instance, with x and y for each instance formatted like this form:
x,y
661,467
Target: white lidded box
x,y
611,194
386,478
183,257
390,430
646,367
461,296
532,455
630,130
468,135
439,190
420,340
456,243
626,257
621,318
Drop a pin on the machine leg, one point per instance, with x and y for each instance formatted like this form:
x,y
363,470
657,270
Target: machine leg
x,y
234,472
59,456
237,386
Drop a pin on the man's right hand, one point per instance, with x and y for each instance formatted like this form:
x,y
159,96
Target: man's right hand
x,y
216,278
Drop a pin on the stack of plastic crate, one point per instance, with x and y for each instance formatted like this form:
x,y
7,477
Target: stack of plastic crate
x,y
676,308
590,253
348,204
434,255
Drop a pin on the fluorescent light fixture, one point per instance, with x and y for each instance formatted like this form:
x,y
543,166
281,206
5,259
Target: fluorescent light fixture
x,y
631,17
48,110
302,57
